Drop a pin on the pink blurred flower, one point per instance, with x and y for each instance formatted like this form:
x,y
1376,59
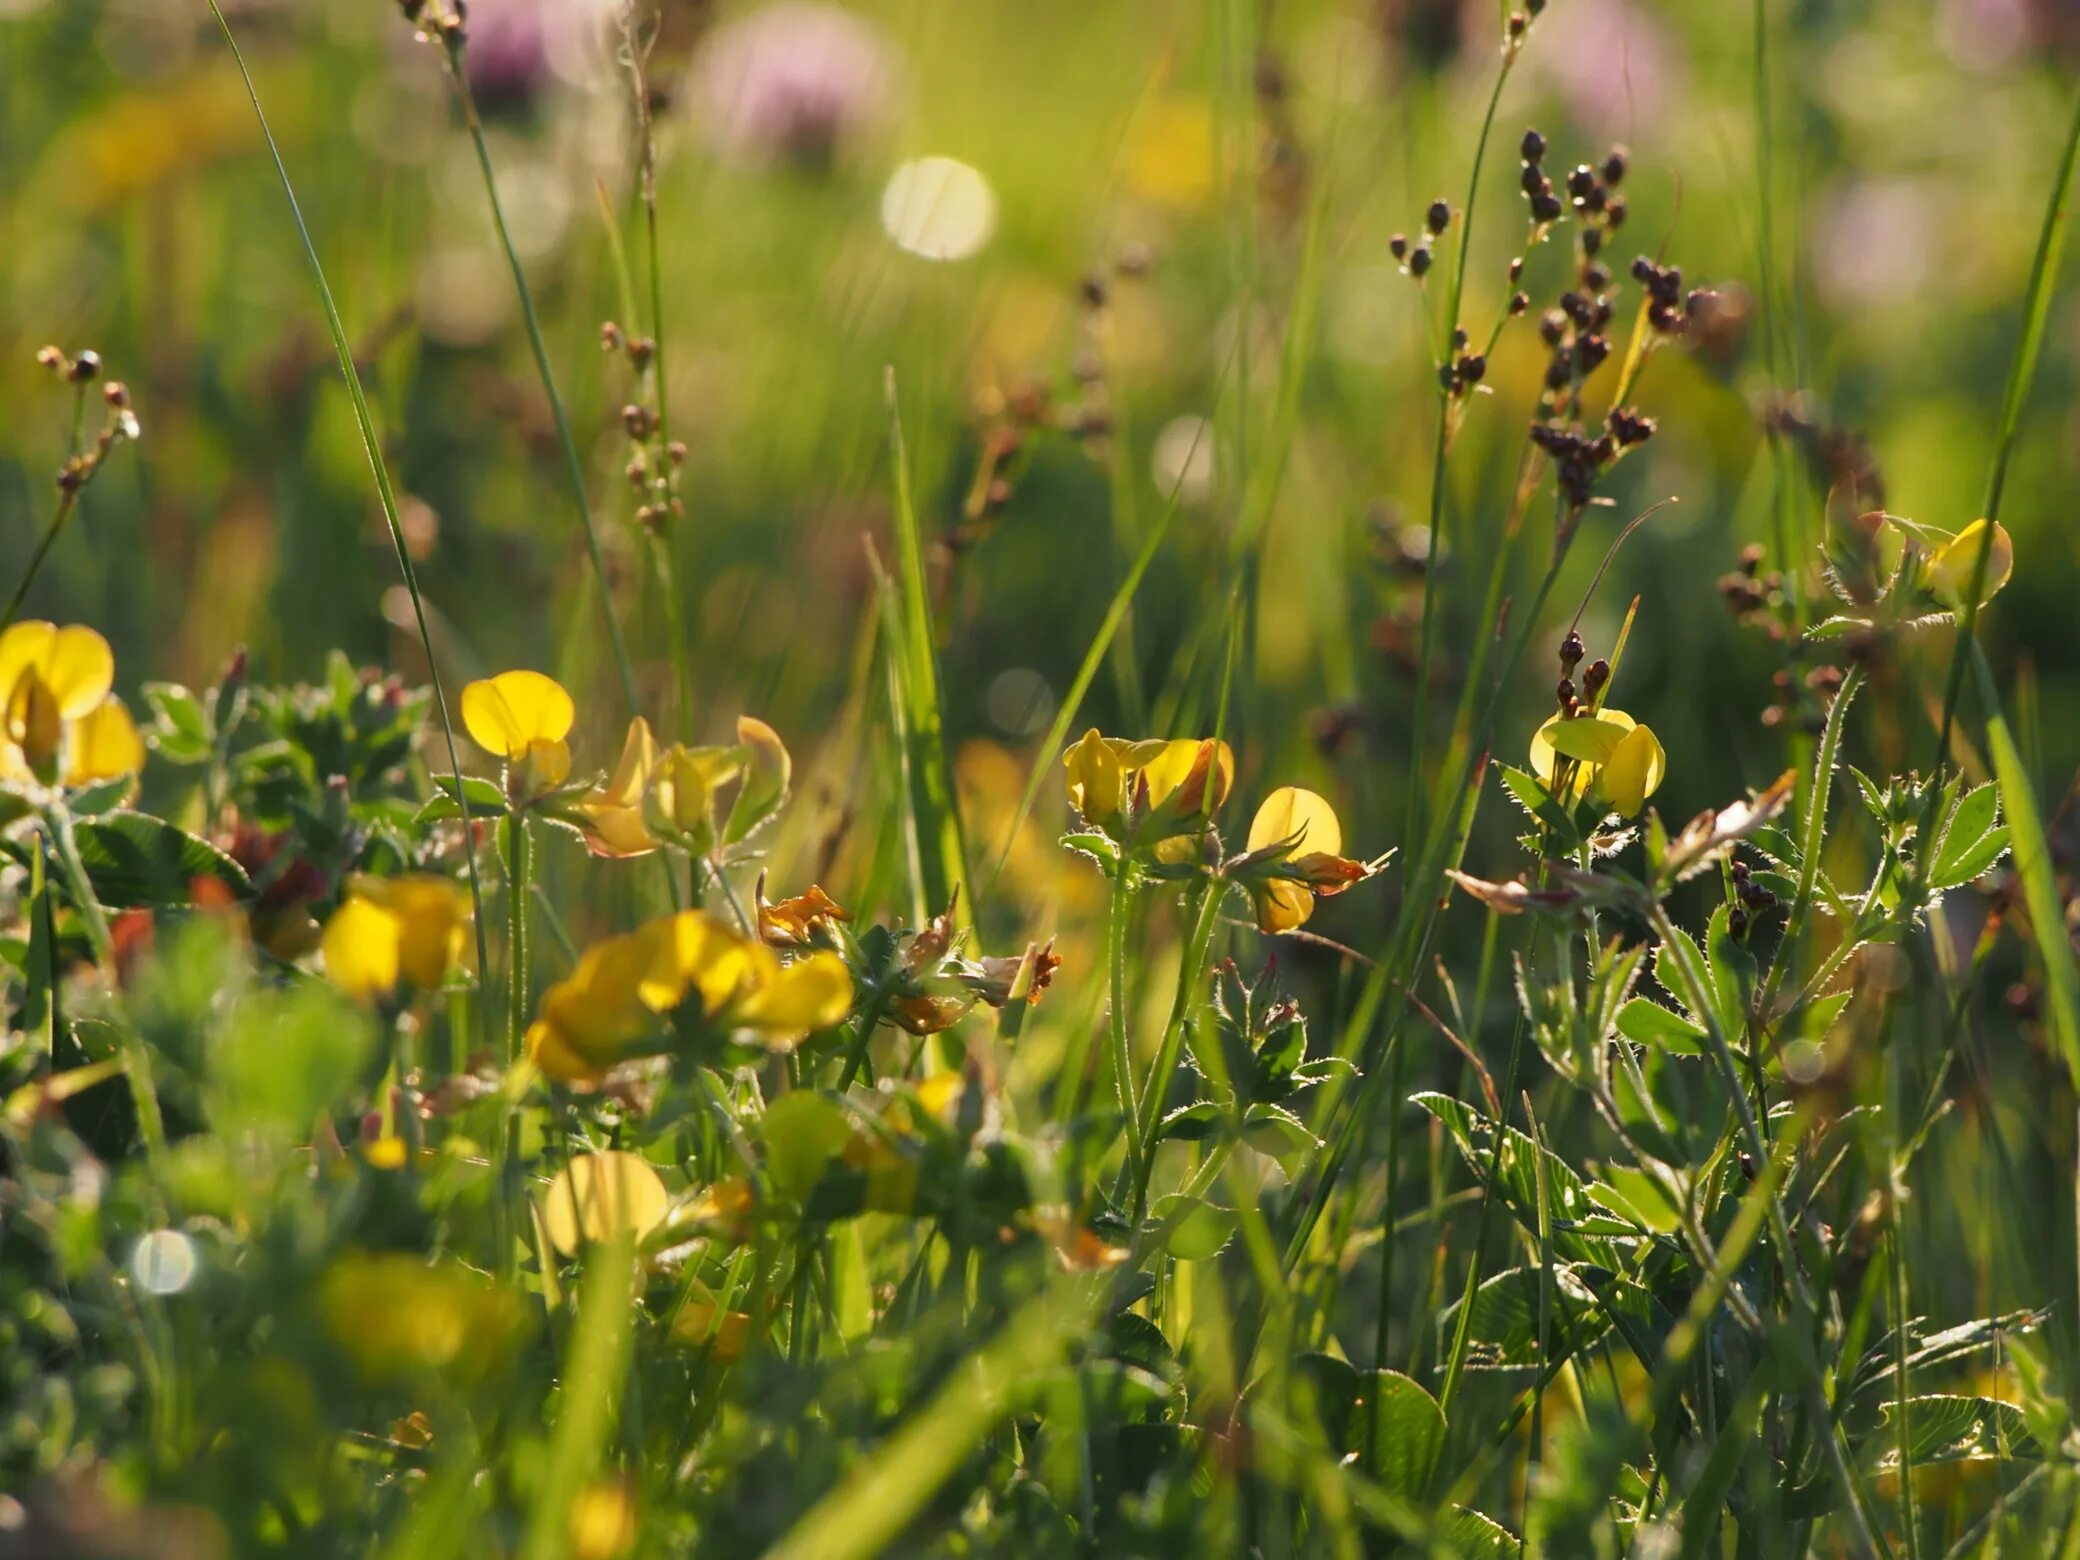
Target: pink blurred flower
x,y
508,53
791,82
1615,64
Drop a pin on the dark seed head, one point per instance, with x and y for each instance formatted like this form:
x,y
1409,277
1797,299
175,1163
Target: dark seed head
x,y
1438,217
1533,146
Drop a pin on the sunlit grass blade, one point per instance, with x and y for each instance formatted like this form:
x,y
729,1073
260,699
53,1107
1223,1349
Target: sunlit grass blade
x,y
386,495
943,851
2034,866
879,1496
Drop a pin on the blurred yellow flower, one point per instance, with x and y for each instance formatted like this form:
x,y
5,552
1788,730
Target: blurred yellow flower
x,y
522,717
597,1197
595,1016
58,719
397,1315
603,1521
390,929
1950,570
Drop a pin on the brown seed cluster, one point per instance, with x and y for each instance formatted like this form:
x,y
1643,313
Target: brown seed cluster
x,y
654,457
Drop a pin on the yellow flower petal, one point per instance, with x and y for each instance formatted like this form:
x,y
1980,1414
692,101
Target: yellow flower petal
x,y
1587,739
807,995
1282,904
1950,571
1299,817
105,744
551,760
74,663
1097,781
361,945
600,1196
767,771
1634,771
1195,773
509,714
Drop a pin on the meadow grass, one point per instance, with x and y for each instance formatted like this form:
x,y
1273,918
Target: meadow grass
x,y
1017,960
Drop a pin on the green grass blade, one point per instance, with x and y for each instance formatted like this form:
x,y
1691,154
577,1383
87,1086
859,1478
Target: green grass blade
x,y
2033,865
573,466
939,824
386,495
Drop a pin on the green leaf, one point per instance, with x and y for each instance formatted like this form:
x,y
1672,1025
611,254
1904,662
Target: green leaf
x,y
1943,1429
1200,1229
1568,1194
1644,1021
286,1057
1336,1386
1397,1429
179,730
1473,1536
134,859
1277,1133
1503,1334
484,797
803,1132
1972,840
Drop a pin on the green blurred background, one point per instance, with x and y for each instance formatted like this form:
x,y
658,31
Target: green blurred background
x,y
1231,173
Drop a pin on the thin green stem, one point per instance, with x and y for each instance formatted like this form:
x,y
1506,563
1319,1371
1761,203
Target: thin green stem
x,y
1204,916
386,495
1119,914
574,467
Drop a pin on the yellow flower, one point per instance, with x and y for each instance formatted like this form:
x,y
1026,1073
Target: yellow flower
x,y
658,794
597,1015
597,1197
1611,753
1179,784
409,928
1950,570
1097,779
1634,771
57,716
614,812
603,1524
522,717
1295,830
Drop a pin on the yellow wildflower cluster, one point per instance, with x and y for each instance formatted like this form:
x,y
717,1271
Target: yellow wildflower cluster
x,y
599,1014
1164,792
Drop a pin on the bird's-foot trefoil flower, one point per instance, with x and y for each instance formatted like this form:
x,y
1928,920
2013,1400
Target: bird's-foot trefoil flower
x,y
59,723
1294,857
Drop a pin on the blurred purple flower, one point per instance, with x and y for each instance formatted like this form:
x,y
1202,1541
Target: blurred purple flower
x,y
508,53
1615,64
791,82
1873,242
1991,34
